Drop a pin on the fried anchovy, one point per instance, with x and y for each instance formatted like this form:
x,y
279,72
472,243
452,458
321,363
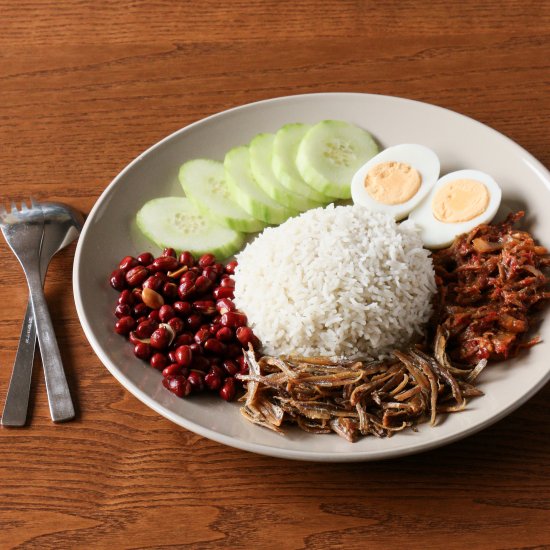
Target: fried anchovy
x,y
351,398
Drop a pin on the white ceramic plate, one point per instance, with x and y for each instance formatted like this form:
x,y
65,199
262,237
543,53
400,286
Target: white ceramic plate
x,y
109,235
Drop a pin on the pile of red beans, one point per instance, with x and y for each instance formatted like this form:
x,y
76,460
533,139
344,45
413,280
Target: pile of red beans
x,y
179,315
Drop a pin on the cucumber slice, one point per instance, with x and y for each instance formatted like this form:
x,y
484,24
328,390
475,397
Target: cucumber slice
x,y
247,193
261,153
330,153
285,149
204,184
175,223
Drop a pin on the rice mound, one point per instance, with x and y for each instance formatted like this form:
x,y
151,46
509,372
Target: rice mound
x,y
336,281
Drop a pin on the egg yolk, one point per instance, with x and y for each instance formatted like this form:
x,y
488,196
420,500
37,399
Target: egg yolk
x,y
392,182
460,201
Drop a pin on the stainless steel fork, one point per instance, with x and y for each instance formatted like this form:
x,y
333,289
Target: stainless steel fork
x,y
23,230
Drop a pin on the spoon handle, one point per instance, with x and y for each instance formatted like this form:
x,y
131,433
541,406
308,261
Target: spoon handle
x,y
17,399
59,397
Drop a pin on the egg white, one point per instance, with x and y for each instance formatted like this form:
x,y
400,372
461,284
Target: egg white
x,y
437,234
419,157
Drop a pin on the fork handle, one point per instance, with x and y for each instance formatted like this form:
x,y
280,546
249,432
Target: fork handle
x,y
59,397
17,399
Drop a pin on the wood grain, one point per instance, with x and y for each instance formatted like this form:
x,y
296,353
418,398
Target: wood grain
x,y
87,86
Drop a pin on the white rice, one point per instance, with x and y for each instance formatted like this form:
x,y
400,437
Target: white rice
x,y
337,281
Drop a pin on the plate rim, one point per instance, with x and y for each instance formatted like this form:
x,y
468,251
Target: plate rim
x,y
262,448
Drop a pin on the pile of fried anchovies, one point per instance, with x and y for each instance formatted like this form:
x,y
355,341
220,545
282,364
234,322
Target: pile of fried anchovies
x,y
355,398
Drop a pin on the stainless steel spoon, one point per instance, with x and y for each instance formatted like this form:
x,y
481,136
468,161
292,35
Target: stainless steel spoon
x,y
62,224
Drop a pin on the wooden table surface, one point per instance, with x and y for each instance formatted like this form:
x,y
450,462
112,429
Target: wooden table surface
x,y
87,86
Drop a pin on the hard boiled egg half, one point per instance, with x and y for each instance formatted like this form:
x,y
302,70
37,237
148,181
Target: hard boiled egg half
x,y
456,204
396,180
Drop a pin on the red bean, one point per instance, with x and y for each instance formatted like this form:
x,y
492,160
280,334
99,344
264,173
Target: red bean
x,y
126,298
118,279
172,356
225,334
227,283
213,380
137,275
154,315
207,259
202,284
164,264
194,321
184,356
230,267
125,325
214,328
172,369
230,367
127,263
123,310
196,379
212,345
242,362
158,361
177,384
202,335
145,258
162,276
223,292
169,252
215,367
186,289
186,258
184,339
233,319
160,338
210,273
166,313
140,310
146,328
224,305
188,276
152,282
218,267
142,350
228,391
246,336
170,291
177,325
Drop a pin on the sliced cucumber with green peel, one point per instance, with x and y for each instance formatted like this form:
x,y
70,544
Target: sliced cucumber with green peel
x,y
330,153
173,222
247,193
203,181
261,154
285,150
